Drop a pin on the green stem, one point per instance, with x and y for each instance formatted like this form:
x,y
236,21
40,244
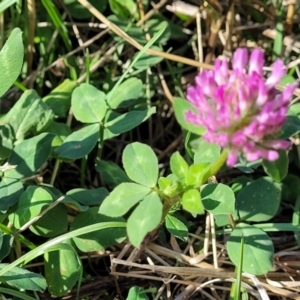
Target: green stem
x,y
101,142
168,204
217,165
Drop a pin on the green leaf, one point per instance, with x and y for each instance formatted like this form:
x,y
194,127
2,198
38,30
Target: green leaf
x,y
206,152
145,218
259,201
80,143
179,166
61,132
131,29
181,106
29,155
137,293
258,249
164,183
170,186
290,188
53,223
78,11
123,9
287,79
6,141
122,198
55,193
277,169
196,174
239,183
191,202
4,5
53,244
126,122
290,127
62,269
30,205
7,241
10,191
111,173
11,60
126,94
30,113
223,220
218,198
88,197
278,42
88,104
176,227
140,164
172,29
59,99
97,240
1,239
146,60
23,279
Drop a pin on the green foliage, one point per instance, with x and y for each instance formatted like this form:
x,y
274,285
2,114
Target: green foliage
x,y
62,269
145,218
56,141
29,115
218,198
96,241
23,279
53,223
126,94
137,293
30,205
181,106
191,202
141,164
10,191
206,152
176,227
122,198
79,12
111,173
29,155
79,143
257,249
11,60
88,104
59,99
277,169
259,200
179,166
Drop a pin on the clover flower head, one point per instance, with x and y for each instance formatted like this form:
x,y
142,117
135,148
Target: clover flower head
x,y
240,109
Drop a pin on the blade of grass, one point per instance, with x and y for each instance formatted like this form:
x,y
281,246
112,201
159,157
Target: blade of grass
x,y
236,286
296,218
46,246
58,22
6,4
278,42
15,293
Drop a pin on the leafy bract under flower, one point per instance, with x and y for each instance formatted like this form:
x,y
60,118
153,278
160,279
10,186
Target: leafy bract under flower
x,y
240,109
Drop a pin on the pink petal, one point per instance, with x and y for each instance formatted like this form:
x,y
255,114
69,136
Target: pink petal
x,y
232,158
221,71
270,155
256,62
277,144
278,71
240,59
